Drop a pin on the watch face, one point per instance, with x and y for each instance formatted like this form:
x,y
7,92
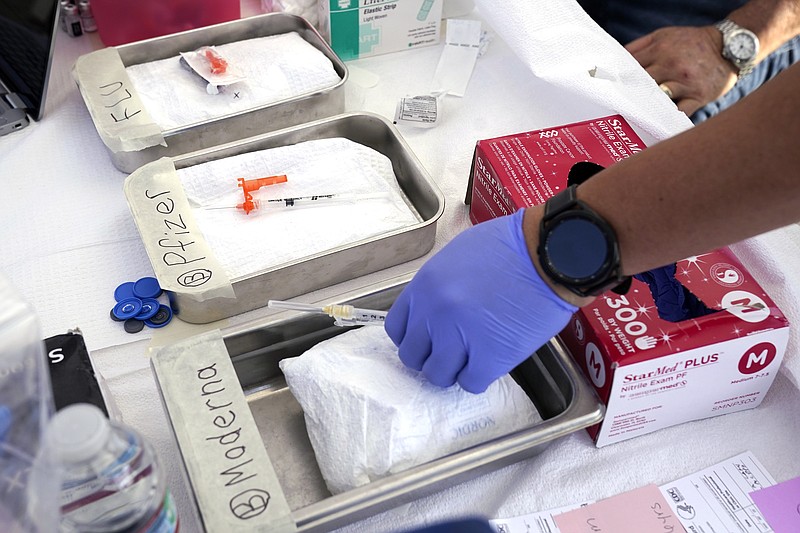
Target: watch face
x,y
742,46
577,250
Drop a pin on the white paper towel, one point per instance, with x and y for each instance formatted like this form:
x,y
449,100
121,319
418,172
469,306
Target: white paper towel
x,y
246,244
560,43
369,416
277,67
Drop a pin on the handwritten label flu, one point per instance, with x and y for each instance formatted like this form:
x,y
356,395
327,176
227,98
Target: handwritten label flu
x,y
117,111
636,511
780,505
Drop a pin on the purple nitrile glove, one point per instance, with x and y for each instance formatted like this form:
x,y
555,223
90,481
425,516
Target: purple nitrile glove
x,y
476,309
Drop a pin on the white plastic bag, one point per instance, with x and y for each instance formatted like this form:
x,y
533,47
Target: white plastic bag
x,y
369,416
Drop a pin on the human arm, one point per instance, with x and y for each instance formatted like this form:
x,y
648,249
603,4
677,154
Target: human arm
x,y
480,306
688,59
727,179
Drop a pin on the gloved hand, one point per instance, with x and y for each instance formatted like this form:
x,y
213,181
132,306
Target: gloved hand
x,y
476,309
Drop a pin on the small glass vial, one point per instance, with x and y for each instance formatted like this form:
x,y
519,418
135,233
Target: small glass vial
x,y
73,20
87,18
62,14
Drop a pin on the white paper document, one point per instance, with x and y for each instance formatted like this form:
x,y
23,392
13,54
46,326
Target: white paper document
x,y
718,498
713,500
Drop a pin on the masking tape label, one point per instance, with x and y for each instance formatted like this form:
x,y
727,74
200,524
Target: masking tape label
x,y
183,261
232,476
116,109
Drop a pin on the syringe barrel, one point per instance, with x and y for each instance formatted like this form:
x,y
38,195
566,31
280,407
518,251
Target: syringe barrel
x,y
354,314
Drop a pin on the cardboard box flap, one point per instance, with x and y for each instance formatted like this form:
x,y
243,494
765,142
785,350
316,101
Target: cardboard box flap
x,y
636,333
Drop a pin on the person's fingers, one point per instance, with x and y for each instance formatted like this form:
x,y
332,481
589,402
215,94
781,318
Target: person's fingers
x,y
637,45
447,359
397,318
666,90
689,105
415,347
477,375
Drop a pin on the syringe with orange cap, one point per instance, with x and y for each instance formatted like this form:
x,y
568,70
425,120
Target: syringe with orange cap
x,y
251,204
248,186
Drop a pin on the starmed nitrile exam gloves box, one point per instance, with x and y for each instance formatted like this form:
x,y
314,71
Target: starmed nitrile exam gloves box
x,y
363,28
651,373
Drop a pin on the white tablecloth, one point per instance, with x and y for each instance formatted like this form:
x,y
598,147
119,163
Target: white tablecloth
x,y
68,239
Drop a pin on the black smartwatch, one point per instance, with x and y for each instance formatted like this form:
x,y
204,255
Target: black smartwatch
x,y
577,248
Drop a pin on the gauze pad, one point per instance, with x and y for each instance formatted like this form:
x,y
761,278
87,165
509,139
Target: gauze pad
x,y
276,67
369,416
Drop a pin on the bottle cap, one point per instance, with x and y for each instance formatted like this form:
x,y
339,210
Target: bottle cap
x,y
133,325
147,288
149,308
77,432
161,318
127,308
123,291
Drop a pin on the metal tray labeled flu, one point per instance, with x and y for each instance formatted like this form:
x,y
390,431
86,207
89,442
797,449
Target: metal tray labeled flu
x,y
243,439
134,138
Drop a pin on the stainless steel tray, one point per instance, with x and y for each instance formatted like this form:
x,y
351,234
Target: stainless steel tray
x,y
553,382
338,264
269,117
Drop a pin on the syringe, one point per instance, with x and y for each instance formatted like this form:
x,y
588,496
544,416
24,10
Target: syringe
x,y
344,315
303,201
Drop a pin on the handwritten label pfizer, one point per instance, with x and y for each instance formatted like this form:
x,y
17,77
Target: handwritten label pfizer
x,y
117,111
182,260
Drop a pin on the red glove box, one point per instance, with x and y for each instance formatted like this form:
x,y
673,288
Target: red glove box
x,y
653,373
650,373
526,169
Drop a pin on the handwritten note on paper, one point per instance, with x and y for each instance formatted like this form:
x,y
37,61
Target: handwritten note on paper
x,y
636,511
780,505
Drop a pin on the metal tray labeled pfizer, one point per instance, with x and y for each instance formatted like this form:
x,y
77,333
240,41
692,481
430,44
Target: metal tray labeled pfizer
x,y
243,439
133,137
201,291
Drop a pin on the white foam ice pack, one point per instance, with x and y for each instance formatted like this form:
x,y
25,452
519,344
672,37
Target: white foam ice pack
x,y
276,67
369,416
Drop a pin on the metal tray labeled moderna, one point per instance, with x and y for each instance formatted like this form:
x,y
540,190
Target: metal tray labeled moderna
x,y
166,220
134,138
251,465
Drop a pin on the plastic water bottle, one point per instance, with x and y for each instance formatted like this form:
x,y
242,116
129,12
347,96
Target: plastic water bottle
x,y
111,480
27,487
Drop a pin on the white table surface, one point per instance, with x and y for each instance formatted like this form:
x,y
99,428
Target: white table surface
x,y
68,239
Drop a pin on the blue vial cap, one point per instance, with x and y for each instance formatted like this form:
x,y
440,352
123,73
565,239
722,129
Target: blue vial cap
x,y
127,308
149,309
161,318
147,288
123,291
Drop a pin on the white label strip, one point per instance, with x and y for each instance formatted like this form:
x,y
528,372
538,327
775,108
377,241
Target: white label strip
x,y
182,260
457,61
230,471
118,114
